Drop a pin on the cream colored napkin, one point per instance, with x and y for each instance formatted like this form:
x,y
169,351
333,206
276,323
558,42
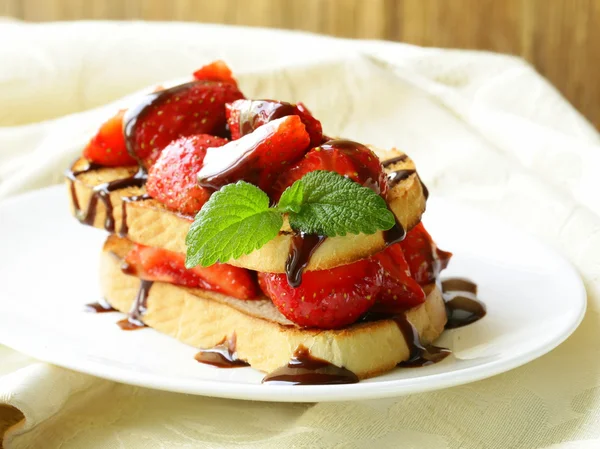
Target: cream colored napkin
x,y
484,129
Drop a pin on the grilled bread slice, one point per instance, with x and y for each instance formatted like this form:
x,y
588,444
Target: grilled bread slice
x,y
150,223
264,338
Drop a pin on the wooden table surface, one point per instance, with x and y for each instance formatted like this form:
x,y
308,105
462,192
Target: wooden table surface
x,y
561,38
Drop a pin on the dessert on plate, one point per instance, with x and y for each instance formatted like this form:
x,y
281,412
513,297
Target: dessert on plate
x,y
238,227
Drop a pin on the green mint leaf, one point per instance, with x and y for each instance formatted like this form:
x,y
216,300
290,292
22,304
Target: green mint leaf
x,y
334,205
235,221
291,199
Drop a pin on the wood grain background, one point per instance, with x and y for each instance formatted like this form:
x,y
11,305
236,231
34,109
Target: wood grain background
x,y
561,38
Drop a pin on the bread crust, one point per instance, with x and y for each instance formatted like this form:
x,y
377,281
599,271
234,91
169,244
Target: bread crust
x,y
152,224
265,339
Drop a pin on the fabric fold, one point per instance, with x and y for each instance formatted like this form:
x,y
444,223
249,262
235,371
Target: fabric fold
x,y
485,130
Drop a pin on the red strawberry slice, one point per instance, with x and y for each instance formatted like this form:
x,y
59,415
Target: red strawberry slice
x,y
244,116
172,180
107,147
399,291
327,299
215,71
424,258
156,264
350,159
258,157
193,108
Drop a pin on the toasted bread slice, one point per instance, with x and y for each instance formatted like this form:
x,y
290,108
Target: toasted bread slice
x,y
264,338
152,224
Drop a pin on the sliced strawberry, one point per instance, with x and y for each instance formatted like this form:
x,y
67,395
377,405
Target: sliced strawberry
x,y
156,264
193,108
244,116
215,71
350,159
313,126
327,299
107,147
399,291
172,180
258,157
424,258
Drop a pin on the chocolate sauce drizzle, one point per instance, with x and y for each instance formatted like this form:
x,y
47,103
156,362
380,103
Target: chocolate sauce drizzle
x,y
397,176
301,249
394,235
304,369
133,114
394,160
420,355
138,308
101,193
397,232
223,355
102,306
72,176
362,171
124,231
462,305
263,111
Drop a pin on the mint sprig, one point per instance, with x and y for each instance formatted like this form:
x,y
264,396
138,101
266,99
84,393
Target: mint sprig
x,y
237,219
333,205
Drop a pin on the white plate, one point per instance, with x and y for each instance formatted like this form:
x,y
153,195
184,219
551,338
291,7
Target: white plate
x,y
48,271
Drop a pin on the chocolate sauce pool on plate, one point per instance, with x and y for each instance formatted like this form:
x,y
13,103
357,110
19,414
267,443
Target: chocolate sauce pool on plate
x,y
102,306
304,369
223,355
462,305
